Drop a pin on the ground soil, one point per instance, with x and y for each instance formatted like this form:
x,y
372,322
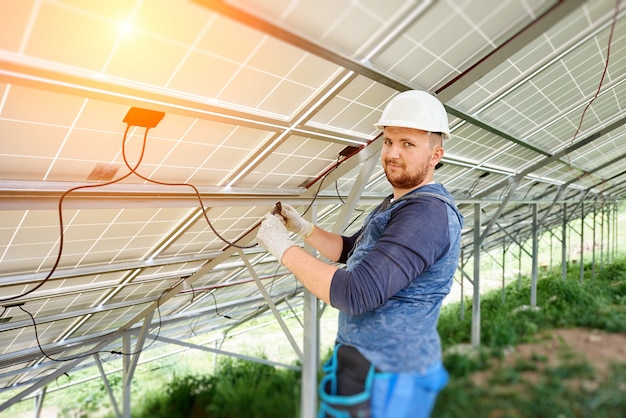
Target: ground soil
x,y
599,349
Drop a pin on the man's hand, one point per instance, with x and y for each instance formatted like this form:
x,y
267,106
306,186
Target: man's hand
x,y
295,222
274,237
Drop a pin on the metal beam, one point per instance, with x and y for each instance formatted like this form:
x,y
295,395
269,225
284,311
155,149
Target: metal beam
x,y
357,189
269,28
310,343
222,352
14,69
69,273
555,157
532,31
534,259
365,69
34,353
107,385
64,368
270,303
475,332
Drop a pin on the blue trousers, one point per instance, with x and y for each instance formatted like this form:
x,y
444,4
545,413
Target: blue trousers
x,y
381,395
407,395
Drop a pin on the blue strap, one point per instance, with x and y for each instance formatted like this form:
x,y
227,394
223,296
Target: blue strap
x,y
338,406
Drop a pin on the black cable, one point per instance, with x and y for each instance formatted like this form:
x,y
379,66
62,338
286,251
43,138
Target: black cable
x,y
60,360
215,306
361,211
269,293
133,170
61,226
606,67
196,191
319,187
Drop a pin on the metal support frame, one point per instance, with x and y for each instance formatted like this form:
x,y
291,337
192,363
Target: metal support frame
x,y
130,361
277,125
593,240
535,262
222,352
107,385
476,303
355,193
503,264
462,281
67,366
270,303
311,345
581,261
39,398
310,365
615,231
564,244
601,213
514,239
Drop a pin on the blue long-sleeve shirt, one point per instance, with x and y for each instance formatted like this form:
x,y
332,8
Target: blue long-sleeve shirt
x,y
400,266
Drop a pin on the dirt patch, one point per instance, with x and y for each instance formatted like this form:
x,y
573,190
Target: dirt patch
x,y
557,347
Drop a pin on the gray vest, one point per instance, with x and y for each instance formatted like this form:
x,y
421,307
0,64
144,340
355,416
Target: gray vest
x,y
401,335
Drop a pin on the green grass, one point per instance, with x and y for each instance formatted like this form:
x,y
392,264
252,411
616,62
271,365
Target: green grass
x,y
598,303
238,389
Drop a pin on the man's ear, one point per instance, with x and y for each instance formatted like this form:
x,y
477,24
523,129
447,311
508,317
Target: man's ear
x,y
437,155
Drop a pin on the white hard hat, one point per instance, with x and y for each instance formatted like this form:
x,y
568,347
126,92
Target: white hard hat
x,y
416,109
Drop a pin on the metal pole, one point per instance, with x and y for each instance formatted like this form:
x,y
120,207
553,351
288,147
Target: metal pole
x,y
535,261
551,245
504,256
503,270
39,398
272,306
602,232
107,386
593,240
519,267
582,242
615,231
462,303
127,377
564,244
310,346
476,304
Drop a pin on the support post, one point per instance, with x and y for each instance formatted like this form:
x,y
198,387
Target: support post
x,y
503,271
593,242
107,386
535,261
310,346
602,232
127,379
476,304
39,398
519,266
582,242
462,281
270,303
615,231
564,244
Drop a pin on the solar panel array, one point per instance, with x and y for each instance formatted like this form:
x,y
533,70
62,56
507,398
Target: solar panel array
x,y
103,224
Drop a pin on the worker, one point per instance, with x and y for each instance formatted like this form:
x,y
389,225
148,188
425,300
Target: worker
x,y
399,267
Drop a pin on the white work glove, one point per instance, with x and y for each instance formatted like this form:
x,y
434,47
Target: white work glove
x,y
295,222
274,237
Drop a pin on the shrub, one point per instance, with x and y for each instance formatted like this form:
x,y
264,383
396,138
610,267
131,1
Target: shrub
x,y
239,388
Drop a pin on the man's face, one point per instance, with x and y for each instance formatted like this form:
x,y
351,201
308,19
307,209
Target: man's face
x,y
408,157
